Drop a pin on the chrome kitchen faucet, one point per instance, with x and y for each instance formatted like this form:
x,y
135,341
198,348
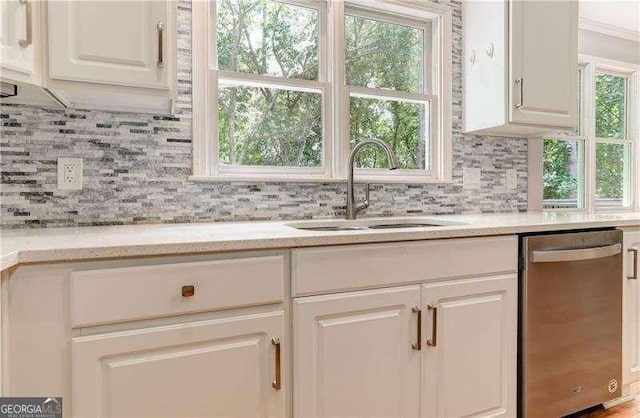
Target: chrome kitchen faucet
x,y
352,207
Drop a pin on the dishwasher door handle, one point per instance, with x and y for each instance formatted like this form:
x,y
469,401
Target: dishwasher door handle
x,y
557,256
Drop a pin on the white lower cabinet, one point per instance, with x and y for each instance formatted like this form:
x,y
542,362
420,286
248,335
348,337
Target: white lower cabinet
x,y
377,330
356,353
631,310
470,361
353,354
214,368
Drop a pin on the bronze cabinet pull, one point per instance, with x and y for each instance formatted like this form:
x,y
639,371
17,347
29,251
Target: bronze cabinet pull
x,y
29,25
160,26
433,342
277,383
634,273
188,291
418,344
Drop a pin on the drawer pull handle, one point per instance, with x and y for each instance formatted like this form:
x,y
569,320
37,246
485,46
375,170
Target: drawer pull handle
x,y
277,383
188,291
634,275
418,344
433,342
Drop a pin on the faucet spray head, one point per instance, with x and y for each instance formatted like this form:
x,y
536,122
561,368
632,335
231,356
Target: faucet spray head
x,y
392,159
393,162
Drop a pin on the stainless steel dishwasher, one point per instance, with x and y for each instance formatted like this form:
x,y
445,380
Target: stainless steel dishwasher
x,y
570,351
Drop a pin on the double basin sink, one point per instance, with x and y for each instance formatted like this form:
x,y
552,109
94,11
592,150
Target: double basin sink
x,y
371,224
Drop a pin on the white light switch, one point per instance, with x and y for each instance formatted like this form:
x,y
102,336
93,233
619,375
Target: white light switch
x,y
471,178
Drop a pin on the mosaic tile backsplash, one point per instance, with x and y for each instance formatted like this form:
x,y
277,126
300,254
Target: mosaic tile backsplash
x,y
136,168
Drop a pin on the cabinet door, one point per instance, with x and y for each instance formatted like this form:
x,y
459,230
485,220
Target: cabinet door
x,y
631,310
354,356
216,368
123,43
544,62
16,46
469,364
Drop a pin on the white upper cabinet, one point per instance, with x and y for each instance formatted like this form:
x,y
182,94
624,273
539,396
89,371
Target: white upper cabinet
x,y
521,67
93,54
121,43
112,55
21,53
17,40
544,63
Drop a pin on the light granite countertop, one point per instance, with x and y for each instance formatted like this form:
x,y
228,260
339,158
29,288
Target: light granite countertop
x,y
19,246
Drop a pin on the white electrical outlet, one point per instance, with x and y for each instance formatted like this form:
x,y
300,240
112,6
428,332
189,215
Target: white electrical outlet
x,y
511,179
70,173
471,178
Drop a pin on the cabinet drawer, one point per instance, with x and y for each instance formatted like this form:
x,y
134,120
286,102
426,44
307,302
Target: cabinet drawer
x,y
130,293
330,269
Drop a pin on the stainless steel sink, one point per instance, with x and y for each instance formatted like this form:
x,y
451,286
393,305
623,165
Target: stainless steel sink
x,y
371,224
329,228
407,225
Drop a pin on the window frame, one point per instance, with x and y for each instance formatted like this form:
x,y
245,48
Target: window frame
x,y
581,139
335,94
426,97
320,86
590,67
627,200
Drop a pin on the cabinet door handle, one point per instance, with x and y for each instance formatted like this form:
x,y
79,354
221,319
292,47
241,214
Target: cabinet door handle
x,y
277,383
560,256
634,275
160,26
433,342
418,344
520,81
29,25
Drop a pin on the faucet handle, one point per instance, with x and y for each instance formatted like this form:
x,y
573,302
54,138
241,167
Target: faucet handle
x,y
365,203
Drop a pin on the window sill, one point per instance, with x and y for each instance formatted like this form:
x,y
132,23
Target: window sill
x,y
622,209
313,179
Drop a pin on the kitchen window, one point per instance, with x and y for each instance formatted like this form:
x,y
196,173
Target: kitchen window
x,y
292,85
592,168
